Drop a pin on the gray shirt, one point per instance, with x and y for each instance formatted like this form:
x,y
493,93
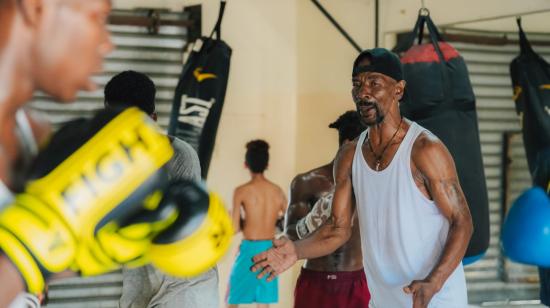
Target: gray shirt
x,y
184,165
146,286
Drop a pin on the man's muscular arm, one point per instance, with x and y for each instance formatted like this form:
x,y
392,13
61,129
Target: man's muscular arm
x,y
298,206
337,230
326,239
436,166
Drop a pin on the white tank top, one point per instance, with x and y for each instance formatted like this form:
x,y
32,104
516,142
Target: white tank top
x,y
402,231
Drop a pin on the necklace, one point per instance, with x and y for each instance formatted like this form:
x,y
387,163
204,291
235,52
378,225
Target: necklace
x,y
379,157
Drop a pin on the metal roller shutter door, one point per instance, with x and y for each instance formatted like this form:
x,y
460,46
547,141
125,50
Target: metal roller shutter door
x,y
160,57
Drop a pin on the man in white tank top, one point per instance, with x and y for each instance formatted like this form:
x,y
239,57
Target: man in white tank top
x,y
414,220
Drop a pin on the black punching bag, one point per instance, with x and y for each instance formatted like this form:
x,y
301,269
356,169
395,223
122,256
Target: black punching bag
x,y
531,80
439,97
200,94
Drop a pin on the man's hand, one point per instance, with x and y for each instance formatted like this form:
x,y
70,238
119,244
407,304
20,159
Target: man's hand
x,y
422,292
276,260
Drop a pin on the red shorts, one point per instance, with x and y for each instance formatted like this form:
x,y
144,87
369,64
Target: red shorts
x,y
331,289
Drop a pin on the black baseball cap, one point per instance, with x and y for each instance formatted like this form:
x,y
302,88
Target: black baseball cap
x,y
382,61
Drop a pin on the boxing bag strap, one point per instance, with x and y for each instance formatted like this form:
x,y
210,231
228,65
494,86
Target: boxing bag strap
x,y
418,33
435,39
524,44
218,27
406,43
217,30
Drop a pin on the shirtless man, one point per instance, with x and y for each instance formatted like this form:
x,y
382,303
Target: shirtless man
x,y
338,279
262,203
53,46
414,220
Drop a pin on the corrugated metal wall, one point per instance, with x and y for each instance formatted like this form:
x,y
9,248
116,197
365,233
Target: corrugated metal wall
x,y
160,57
494,278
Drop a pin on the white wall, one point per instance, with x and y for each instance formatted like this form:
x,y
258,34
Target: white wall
x,y
324,74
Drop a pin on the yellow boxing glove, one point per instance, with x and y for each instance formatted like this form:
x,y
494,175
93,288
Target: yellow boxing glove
x,y
200,235
93,174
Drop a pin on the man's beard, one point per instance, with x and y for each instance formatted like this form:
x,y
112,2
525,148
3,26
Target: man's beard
x,y
370,104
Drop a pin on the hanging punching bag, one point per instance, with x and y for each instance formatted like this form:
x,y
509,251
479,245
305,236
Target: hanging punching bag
x,y
200,93
439,97
531,81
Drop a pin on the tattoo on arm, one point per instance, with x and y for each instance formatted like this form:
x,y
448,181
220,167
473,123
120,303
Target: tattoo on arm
x,y
321,211
455,195
319,214
450,198
293,215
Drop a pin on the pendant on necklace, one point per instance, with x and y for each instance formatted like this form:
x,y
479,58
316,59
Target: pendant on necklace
x,y
377,165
